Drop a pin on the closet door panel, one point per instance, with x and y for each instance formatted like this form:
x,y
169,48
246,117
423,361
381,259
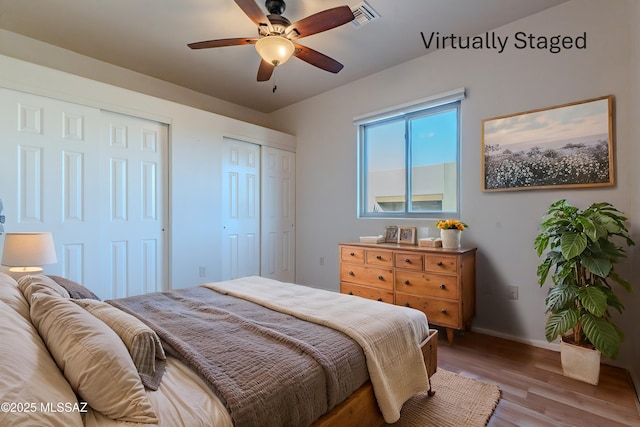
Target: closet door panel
x,y
49,172
240,203
278,214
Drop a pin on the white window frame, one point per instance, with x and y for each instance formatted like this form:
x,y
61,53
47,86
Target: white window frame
x,y
406,111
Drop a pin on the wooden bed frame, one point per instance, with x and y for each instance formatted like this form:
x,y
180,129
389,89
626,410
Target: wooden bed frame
x,y
361,409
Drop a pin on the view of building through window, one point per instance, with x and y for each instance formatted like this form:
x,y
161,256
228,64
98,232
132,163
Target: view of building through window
x,y
408,164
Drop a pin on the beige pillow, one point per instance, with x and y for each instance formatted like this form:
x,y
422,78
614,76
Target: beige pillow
x,y
141,341
12,296
30,284
92,358
29,376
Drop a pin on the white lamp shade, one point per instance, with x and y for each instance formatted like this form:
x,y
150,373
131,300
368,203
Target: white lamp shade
x,y
28,249
275,50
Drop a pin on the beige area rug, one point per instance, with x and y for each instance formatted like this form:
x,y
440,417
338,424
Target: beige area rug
x,y
459,402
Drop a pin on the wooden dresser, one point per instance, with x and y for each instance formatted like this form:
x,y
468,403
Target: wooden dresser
x,y
439,282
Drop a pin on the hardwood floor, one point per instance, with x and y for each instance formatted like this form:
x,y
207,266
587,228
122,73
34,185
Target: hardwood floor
x,y
534,391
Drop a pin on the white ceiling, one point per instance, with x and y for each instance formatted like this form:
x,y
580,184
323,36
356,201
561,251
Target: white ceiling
x,y
151,36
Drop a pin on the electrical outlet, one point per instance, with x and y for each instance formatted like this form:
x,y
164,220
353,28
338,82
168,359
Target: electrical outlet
x,y
321,260
513,292
202,270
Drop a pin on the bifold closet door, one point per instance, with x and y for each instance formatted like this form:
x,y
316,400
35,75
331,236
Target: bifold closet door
x,y
240,249
97,180
134,188
49,179
278,214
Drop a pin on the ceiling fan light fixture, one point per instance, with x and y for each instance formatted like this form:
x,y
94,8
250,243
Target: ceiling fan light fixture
x,y
275,50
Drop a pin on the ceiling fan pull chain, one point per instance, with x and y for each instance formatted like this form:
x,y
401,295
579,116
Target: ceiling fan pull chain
x,y
275,83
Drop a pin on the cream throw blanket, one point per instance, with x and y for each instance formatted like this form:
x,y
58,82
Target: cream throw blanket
x,y
392,349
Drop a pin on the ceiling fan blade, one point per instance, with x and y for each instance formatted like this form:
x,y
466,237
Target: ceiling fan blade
x,y
316,58
319,22
265,70
223,42
253,11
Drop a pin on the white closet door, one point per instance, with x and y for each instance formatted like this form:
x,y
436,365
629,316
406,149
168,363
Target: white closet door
x,y
240,251
49,171
96,180
278,214
134,192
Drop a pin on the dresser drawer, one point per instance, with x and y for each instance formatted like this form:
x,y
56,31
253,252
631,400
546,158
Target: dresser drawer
x,y
441,264
439,312
380,258
428,284
370,276
367,292
351,254
408,261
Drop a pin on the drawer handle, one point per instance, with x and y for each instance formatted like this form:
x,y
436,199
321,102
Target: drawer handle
x,y
407,260
350,293
352,254
406,304
380,278
443,311
440,263
351,273
406,282
379,257
380,299
442,286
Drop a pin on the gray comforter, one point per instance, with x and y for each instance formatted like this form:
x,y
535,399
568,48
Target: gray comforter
x,y
268,368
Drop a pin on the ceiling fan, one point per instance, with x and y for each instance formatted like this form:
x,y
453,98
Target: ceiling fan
x,y
276,34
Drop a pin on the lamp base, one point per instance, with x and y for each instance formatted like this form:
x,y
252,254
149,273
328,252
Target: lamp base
x,y
18,272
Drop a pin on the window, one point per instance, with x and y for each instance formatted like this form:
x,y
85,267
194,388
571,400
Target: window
x,y
408,160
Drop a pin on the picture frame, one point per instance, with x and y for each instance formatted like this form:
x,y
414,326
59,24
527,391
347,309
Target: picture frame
x,y
565,146
407,235
391,234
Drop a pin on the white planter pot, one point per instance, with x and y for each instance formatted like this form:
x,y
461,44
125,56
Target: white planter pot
x,y
450,238
580,363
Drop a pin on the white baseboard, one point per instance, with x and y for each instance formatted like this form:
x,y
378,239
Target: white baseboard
x,y
536,343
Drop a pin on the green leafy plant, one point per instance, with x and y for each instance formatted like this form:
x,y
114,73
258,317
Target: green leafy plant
x,y
581,259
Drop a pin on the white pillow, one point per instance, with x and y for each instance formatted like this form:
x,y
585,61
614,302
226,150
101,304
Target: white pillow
x,y
30,284
141,341
92,358
28,375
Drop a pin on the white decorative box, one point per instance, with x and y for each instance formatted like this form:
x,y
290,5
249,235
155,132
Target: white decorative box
x,y
430,242
372,239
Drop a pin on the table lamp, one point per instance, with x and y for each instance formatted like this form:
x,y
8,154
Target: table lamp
x,y
26,253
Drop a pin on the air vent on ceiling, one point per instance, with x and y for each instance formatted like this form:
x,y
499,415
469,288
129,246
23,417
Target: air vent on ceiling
x,y
363,14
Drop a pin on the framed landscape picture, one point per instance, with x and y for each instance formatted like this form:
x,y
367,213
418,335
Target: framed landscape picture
x,y
565,146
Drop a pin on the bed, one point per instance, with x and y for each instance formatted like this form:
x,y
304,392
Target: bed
x,y
313,357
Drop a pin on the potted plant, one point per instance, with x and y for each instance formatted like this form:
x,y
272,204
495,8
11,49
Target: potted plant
x,y
450,231
583,252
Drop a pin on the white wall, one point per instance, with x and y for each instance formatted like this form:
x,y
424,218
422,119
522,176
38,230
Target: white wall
x,y
502,225
195,145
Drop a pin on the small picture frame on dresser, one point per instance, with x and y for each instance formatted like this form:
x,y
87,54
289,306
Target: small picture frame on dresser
x,y
391,234
407,235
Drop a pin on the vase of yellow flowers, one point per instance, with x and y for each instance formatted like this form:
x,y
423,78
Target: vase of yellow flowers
x,y
450,232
